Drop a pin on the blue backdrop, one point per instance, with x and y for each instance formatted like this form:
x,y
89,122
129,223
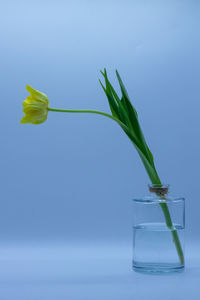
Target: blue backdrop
x,y
71,179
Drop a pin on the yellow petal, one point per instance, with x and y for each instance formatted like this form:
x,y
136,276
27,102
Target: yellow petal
x,y
33,106
34,117
24,120
40,120
37,94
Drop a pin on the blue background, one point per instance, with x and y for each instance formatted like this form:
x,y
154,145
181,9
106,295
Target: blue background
x,y
67,184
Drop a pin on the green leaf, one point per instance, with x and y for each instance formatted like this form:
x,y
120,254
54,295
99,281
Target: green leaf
x,y
122,112
126,113
125,94
151,171
134,118
113,106
122,87
129,107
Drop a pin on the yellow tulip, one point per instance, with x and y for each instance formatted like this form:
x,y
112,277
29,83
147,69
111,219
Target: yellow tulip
x,y
35,107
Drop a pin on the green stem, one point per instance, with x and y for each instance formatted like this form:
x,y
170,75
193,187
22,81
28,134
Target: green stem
x,y
174,232
164,206
90,112
124,127
169,224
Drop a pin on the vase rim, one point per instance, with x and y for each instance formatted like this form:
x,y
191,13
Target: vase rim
x,y
154,200
161,185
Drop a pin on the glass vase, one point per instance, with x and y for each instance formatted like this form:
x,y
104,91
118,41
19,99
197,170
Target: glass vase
x,y
158,232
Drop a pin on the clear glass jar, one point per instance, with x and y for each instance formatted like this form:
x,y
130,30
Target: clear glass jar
x,y
158,232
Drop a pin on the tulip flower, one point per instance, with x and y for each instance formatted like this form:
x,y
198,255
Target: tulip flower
x,y
35,107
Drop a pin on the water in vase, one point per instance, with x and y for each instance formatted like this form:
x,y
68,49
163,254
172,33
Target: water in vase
x,y
154,250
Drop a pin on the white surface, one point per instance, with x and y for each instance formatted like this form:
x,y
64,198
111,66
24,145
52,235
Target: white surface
x,y
89,272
